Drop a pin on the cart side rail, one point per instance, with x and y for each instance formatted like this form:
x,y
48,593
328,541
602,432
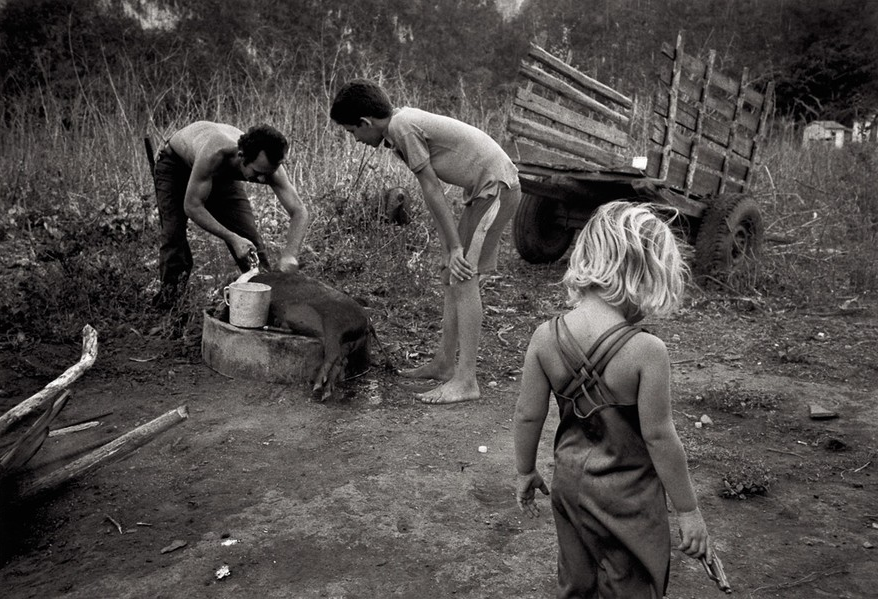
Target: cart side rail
x,y
564,121
707,125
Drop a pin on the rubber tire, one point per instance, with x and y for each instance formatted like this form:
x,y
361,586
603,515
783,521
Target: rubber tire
x,y
729,238
538,238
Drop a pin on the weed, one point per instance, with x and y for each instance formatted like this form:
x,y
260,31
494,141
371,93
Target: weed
x,y
732,398
744,485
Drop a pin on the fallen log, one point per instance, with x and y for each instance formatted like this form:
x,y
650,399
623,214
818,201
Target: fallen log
x,y
112,451
51,391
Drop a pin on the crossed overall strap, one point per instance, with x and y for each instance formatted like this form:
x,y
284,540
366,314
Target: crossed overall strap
x,y
586,369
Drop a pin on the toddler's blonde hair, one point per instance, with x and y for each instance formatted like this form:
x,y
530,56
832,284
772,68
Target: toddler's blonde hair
x,y
628,255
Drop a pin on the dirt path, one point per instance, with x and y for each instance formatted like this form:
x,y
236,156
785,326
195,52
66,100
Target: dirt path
x,y
373,495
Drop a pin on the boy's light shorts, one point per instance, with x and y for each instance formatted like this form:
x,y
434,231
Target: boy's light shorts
x,y
472,216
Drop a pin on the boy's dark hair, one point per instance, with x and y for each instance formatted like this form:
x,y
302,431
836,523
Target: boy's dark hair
x,y
357,99
263,138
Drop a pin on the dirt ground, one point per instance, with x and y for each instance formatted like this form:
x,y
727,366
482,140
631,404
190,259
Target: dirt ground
x,y
373,495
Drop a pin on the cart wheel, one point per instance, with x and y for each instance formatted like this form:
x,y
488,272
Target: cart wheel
x,y
538,238
729,238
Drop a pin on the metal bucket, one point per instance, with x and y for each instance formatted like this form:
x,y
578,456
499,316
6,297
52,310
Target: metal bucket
x,y
248,304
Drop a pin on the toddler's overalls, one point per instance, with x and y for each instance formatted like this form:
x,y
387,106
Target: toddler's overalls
x,y
608,502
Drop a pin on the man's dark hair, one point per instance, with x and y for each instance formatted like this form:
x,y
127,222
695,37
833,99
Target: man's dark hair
x,y
263,138
357,99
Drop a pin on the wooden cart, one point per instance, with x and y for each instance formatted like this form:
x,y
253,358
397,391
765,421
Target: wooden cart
x,y
573,139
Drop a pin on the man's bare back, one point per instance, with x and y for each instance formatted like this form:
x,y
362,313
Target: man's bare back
x,y
206,140
198,177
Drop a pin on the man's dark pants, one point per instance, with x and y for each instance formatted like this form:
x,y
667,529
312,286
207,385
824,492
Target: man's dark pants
x,y
229,205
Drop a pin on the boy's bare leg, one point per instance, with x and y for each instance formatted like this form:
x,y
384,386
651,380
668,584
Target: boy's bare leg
x,y
463,386
441,367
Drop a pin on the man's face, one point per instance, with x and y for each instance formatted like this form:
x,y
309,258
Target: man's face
x,y
259,170
365,133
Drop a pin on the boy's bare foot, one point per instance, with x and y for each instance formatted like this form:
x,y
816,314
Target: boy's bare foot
x,y
451,392
416,385
430,370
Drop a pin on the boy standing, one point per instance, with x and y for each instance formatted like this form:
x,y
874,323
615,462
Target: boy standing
x,y
199,174
442,149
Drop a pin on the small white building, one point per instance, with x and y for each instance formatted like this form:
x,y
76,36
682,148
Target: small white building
x,y
825,132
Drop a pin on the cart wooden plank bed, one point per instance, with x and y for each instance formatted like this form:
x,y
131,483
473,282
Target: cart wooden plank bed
x,y
574,140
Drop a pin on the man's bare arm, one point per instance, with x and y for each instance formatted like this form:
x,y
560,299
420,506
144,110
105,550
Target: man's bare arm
x,y
197,192
289,199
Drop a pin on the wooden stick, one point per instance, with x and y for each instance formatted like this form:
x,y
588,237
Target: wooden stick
x,y
30,441
112,451
74,428
809,578
115,523
56,461
798,455
94,418
52,390
150,154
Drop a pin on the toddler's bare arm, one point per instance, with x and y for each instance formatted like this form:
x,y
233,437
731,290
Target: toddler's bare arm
x,y
665,448
530,415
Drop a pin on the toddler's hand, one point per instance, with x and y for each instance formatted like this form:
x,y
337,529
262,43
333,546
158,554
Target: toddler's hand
x,y
693,534
525,490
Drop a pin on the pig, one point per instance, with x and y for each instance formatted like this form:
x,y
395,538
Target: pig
x,y
305,306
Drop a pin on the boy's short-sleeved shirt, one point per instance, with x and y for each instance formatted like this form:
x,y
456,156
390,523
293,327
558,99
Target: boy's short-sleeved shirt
x,y
460,154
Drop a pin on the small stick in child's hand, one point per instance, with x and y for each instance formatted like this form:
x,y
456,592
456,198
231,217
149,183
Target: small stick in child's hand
x,y
716,572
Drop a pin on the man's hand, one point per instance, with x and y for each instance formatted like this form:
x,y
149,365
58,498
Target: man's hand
x,y
525,490
288,263
242,247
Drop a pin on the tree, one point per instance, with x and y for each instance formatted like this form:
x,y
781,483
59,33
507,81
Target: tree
x,y
831,71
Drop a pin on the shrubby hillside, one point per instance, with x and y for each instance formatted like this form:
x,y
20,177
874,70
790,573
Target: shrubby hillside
x,y
821,53
82,81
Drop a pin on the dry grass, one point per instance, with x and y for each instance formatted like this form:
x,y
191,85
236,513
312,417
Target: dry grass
x,y
821,211
80,226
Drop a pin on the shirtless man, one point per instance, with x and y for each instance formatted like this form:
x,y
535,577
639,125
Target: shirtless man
x,y
199,174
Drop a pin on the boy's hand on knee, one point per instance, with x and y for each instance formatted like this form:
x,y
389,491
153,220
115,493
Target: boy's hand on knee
x,y
525,491
458,265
